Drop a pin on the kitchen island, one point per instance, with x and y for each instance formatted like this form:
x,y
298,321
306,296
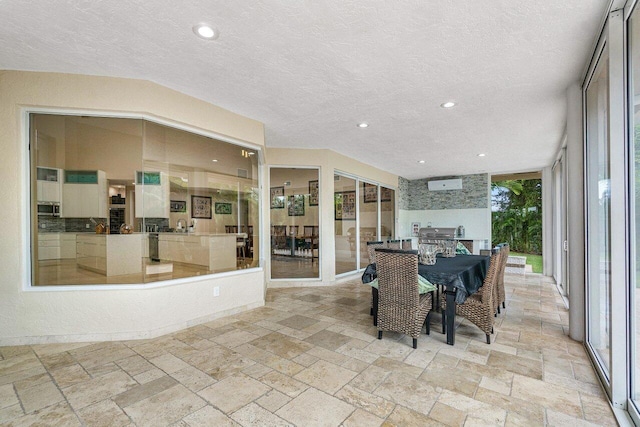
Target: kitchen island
x,y
118,254
109,254
217,252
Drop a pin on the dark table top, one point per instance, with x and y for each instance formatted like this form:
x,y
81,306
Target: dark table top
x,y
464,273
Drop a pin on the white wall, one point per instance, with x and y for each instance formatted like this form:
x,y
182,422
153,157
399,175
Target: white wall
x,y
31,315
476,222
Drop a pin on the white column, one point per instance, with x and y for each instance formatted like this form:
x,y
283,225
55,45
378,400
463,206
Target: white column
x,y
547,222
575,207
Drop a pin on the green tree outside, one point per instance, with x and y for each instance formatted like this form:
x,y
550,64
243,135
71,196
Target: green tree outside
x,y
517,215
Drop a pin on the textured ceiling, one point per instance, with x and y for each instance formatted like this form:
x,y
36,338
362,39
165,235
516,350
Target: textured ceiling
x,y
311,70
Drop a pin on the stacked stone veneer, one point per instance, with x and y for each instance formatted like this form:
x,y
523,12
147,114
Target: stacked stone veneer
x,y
403,193
415,195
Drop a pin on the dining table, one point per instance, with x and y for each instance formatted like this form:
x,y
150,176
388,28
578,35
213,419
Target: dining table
x,y
460,276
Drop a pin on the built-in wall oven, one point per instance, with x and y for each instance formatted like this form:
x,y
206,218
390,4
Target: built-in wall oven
x,y
48,209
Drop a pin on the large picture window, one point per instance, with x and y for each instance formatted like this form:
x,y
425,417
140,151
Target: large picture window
x,y
122,201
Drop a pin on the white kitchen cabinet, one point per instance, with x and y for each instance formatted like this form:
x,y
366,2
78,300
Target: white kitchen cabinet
x,y
49,185
91,252
67,245
48,246
184,248
84,194
56,246
152,195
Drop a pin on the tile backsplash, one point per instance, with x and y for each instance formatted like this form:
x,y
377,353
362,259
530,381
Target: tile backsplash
x,y
80,224
49,224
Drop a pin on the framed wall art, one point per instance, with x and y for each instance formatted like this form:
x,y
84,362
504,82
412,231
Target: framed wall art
x,y
415,229
295,205
313,193
345,205
277,197
223,208
370,193
385,194
201,207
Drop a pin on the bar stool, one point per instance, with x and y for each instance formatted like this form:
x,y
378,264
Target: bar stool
x,y
241,246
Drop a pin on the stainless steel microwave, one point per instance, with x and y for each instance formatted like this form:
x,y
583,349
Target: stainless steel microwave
x,y
48,209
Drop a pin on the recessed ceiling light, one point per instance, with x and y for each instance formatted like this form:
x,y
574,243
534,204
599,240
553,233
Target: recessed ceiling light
x,y
448,104
421,161
481,155
363,125
214,160
205,31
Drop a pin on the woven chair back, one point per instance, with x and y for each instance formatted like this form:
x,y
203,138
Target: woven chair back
x,y
491,280
371,248
500,291
397,278
394,244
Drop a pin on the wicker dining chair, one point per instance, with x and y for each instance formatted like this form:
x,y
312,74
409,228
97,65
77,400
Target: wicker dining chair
x,y
401,308
371,250
394,244
479,307
501,292
407,245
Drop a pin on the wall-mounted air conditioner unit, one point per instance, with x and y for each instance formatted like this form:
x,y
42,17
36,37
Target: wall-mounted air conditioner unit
x,y
445,184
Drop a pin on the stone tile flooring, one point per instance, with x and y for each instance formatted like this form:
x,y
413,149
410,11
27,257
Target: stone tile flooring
x,y
310,357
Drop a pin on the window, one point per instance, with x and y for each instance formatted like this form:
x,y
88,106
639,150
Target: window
x,y
295,223
118,201
598,197
360,217
634,192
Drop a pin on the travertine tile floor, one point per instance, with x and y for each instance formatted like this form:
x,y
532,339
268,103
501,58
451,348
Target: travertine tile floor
x,y
311,357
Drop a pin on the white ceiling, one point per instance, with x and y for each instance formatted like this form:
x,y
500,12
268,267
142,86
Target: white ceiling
x,y
311,70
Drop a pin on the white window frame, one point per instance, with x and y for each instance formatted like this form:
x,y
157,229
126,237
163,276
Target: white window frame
x,y
27,236
267,239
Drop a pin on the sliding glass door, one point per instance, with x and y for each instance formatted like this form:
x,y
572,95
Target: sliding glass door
x,y
634,205
345,224
294,223
598,197
368,215
363,212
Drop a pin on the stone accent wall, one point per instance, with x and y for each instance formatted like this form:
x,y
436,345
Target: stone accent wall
x,y
416,195
403,193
